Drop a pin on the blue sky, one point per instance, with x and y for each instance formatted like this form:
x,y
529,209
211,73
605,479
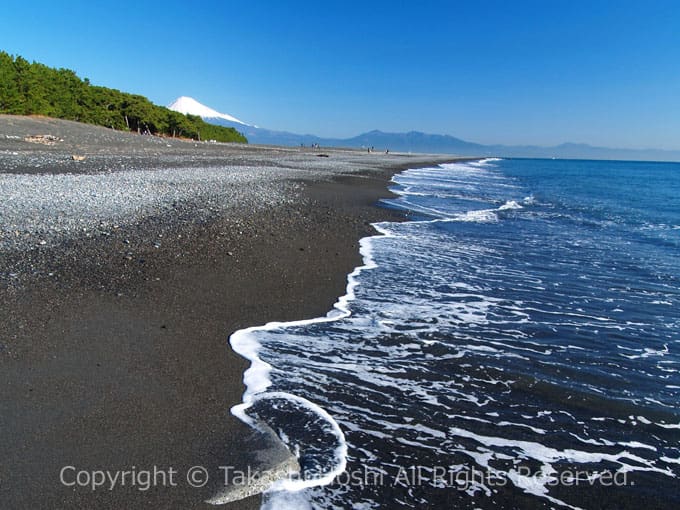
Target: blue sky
x,y
599,72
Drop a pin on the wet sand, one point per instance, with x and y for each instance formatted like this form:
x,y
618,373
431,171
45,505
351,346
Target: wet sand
x,y
114,347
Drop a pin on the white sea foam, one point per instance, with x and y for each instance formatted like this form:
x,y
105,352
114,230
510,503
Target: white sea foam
x,y
484,162
483,216
257,377
510,204
548,457
340,454
283,500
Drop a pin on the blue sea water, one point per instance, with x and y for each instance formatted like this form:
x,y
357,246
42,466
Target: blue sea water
x,y
514,344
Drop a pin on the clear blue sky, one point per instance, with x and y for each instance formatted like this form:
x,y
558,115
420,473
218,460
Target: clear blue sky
x,y
544,72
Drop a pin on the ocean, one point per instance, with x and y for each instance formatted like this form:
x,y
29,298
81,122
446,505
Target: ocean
x,y
514,344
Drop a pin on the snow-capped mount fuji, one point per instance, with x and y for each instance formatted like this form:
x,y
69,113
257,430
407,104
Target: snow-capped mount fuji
x,y
255,134
189,105
415,141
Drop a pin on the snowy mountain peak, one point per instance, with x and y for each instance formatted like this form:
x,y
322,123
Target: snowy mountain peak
x,y
189,105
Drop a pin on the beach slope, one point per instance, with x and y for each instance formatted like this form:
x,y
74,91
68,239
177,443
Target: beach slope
x,y
126,262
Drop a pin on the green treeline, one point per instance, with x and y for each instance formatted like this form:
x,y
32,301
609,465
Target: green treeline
x,y
35,89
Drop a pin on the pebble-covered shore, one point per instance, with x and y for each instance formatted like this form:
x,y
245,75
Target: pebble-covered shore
x,y
121,178
38,210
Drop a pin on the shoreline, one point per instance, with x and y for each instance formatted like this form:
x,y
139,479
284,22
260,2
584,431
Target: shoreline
x,y
112,363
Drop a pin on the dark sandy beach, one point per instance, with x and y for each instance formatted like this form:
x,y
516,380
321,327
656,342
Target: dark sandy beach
x,y
114,347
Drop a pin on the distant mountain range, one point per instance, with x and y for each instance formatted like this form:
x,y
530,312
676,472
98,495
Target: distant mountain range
x,y
416,141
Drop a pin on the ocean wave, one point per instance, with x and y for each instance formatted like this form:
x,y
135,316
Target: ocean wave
x,y
482,216
498,339
510,204
485,162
